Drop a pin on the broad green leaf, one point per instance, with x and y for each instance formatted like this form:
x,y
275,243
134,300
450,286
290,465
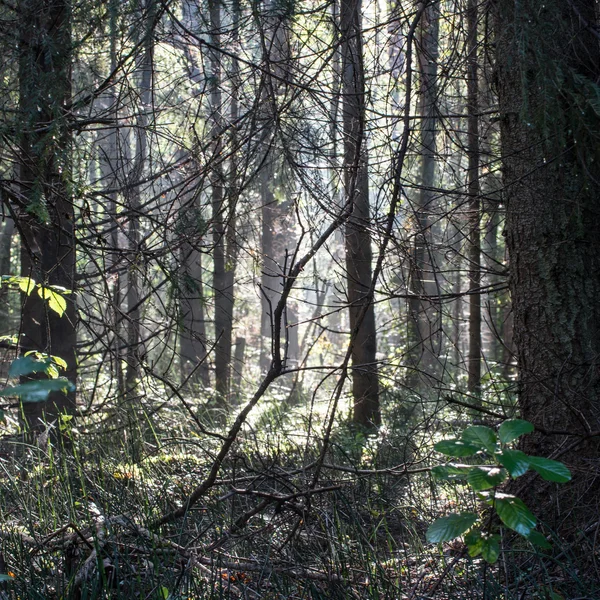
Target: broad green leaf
x,y
481,436
456,448
25,365
451,472
484,478
58,304
473,542
472,536
38,391
60,362
511,430
5,577
537,539
515,461
27,284
550,470
450,527
490,548
55,300
514,514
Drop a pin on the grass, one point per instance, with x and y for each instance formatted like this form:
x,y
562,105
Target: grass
x,y
82,524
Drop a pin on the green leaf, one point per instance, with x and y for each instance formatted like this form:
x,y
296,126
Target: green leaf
x,y
481,436
60,362
473,542
38,391
515,461
25,365
27,284
5,577
451,472
512,429
163,593
450,527
456,448
472,536
55,300
537,539
484,478
490,548
550,470
514,514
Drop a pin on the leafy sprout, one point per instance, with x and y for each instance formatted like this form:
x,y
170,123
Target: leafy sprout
x,y
499,463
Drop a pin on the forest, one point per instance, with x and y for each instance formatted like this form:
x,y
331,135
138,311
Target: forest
x,y
300,300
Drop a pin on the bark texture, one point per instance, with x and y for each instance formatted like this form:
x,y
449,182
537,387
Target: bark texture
x,y
46,205
365,381
548,62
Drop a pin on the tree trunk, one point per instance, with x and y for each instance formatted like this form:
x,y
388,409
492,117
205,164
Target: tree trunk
x,y
551,162
111,173
135,344
7,324
222,286
47,213
278,239
238,366
365,381
224,352
193,348
474,365
269,279
424,325
192,337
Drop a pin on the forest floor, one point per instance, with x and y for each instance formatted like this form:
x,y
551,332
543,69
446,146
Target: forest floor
x,y
82,523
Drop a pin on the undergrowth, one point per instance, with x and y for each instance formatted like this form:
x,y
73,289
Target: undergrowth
x,y
278,522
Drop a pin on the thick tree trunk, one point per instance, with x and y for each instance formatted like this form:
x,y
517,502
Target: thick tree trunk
x,y
365,380
551,161
47,213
